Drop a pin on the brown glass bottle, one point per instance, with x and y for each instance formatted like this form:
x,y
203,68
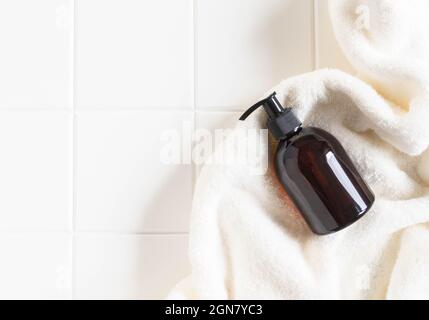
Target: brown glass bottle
x,y
322,181
316,171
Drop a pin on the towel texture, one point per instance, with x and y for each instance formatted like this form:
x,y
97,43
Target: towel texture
x,y
248,241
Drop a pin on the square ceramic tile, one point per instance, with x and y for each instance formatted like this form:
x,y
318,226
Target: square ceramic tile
x,y
133,54
35,55
243,49
212,120
35,266
35,170
329,54
124,183
129,266
219,124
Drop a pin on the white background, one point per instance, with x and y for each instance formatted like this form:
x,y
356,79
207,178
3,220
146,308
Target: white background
x,y
87,210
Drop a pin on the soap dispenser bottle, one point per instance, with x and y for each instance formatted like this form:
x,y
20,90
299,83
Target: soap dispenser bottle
x,y
315,171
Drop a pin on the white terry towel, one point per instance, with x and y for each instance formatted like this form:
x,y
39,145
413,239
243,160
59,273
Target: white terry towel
x,y
248,241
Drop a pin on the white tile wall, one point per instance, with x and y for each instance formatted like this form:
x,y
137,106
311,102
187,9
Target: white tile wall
x,y
128,266
134,54
36,53
122,185
35,265
87,88
35,170
245,47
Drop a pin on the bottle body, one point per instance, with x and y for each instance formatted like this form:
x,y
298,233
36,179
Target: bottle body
x,y
321,180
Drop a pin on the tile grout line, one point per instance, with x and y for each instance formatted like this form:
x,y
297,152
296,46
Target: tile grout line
x,y
106,232
74,153
195,54
158,109
35,109
315,34
127,233
123,109
194,86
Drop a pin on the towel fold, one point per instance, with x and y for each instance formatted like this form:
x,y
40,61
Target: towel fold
x,y
247,241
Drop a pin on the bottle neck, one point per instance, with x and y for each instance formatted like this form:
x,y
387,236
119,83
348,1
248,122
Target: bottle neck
x,y
284,126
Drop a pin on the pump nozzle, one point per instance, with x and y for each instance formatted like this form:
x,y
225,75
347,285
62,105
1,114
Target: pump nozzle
x,y
271,105
281,122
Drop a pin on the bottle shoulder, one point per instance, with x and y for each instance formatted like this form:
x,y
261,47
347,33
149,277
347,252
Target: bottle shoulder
x,y
309,134
310,140
313,131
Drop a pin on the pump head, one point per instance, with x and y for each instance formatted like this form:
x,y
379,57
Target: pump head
x,y
282,123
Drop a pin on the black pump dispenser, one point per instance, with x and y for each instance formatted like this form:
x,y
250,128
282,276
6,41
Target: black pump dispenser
x,y
315,171
282,123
